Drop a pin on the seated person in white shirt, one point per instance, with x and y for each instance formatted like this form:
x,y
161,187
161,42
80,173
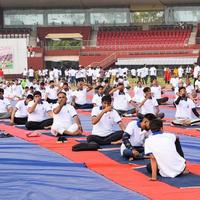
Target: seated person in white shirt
x,y
103,119
63,116
149,104
19,114
5,107
96,100
66,89
186,113
79,98
42,89
39,113
122,100
190,89
165,152
174,82
197,84
157,92
51,93
138,92
134,136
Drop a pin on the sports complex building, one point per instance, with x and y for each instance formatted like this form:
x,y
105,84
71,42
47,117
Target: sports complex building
x,y
100,33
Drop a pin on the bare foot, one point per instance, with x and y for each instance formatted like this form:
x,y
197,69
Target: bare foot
x,y
186,171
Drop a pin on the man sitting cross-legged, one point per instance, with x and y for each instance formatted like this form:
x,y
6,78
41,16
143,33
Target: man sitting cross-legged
x,y
5,107
79,96
20,114
134,136
186,113
103,119
63,115
166,155
39,113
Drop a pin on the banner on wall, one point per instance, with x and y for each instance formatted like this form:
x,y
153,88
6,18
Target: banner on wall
x,y
13,55
6,58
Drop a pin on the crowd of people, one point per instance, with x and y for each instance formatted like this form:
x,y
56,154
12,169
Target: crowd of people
x,y
51,102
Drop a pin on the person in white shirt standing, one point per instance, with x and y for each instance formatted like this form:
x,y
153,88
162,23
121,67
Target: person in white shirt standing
x,y
180,72
103,119
30,74
153,73
20,114
133,73
165,152
39,113
63,116
196,72
188,71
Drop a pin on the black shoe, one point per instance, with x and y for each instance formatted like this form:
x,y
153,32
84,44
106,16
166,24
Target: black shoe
x,y
62,139
5,135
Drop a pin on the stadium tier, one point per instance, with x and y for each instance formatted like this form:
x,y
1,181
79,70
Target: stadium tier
x,y
157,38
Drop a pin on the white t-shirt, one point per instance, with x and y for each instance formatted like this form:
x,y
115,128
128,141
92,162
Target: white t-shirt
x,y
180,72
137,136
121,101
40,113
105,125
52,92
189,89
138,94
72,72
97,99
69,95
184,109
51,75
81,96
196,71
56,73
197,84
4,105
162,146
43,92
153,71
31,73
21,109
156,90
133,72
65,116
149,106
174,82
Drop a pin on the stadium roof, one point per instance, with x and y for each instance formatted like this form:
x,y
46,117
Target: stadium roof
x,y
6,4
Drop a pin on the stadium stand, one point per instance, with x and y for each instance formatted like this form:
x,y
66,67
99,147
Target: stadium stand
x,y
158,38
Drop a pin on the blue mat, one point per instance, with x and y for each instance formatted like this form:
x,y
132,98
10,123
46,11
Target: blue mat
x,y
183,181
191,148
115,155
28,171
